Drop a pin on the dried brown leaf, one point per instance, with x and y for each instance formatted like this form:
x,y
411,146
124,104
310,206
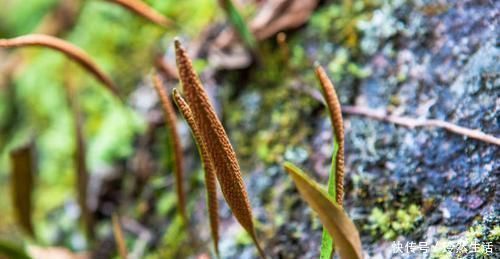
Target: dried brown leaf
x,y
171,120
210,177
279,15
273,16
145,11
70,50
219,148
22,185
335,111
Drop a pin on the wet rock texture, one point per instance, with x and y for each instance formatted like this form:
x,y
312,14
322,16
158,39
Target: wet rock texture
x,y
444,65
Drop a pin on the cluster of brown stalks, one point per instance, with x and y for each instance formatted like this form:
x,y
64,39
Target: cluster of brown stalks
x,y
215,149
218,157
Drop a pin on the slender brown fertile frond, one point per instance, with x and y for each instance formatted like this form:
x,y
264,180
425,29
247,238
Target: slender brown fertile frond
x,y
119,237
22,186
208,167
171,120
220,150
333,104
70,50
145,11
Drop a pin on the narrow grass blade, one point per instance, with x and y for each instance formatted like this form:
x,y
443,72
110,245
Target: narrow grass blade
x,y
332,216
12,251
219,148
327,250
119,237
238,23
336,177
141,9
171,120
210,178
70,50
22,185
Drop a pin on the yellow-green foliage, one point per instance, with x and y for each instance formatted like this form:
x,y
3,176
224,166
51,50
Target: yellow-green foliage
x,y
390,224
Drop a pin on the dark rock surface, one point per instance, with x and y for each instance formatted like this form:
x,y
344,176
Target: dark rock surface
x,y
445,66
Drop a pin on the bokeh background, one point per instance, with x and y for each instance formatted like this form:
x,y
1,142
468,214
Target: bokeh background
x,y
416,58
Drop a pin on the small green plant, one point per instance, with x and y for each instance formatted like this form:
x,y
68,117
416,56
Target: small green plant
x,y
336,176
335,189
406,219
390,224
494,234
380,222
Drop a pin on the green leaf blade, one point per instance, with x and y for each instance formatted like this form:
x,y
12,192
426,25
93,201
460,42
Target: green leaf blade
x,y
334,219
239,23
326,240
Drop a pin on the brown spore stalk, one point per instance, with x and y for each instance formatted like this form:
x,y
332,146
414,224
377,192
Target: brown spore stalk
x,y
217,142
171,120
71,51
210,177
141,9
335,112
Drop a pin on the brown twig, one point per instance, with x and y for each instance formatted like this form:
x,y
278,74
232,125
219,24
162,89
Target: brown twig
x,y
145,11
414,123
70,50
410,122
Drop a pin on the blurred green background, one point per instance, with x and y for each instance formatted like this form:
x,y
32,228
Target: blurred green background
x,y
34,106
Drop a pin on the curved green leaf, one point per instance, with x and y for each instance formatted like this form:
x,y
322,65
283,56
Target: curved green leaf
x,y
334,219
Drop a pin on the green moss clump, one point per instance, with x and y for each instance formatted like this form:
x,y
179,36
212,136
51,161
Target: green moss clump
x,y
390,224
